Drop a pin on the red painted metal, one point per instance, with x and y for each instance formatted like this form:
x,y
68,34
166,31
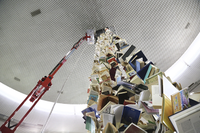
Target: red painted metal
x,y
38,91
7,129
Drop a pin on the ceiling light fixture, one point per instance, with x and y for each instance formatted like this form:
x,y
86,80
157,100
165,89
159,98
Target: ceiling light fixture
x,y
36,12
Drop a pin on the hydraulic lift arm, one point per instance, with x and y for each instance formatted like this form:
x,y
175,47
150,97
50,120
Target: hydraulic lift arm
x,y
38,91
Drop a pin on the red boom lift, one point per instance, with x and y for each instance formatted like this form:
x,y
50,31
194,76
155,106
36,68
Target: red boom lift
x,y
38,91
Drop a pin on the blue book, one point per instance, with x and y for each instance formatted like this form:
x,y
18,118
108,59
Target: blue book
x,y
89,109
123,46
142,72
92,97
119,79
137,63
136,56
130,115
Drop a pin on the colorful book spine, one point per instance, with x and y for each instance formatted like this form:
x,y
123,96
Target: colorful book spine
x,y
147,73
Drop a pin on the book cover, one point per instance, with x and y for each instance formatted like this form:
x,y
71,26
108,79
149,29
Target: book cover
x,y
166,112
129,91
128,52
139,88
137,55
156,98
144,96
104,99
176,102
92,97
147,73
184,114
127,84
139,64
132,62
90,125
118,47
142,72
124,47
154,78
126,102
152,71
107,107
131,73
110,128
94,87
133,128
168,88
108,118
105,93
89,109
122,96
112,59
149,110
136,80
184,98
130,115
117,111
106,88
180,100
189,124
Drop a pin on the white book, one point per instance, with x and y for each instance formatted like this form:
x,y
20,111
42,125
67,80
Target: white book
x,y
107,108
117,111
160,85
168,88
187,117
156,98
189,124
144,96
107,118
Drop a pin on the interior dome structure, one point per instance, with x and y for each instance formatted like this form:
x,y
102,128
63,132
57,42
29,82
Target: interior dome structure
x,y
36,35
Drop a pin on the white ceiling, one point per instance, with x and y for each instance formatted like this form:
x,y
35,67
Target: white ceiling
x,y
30,47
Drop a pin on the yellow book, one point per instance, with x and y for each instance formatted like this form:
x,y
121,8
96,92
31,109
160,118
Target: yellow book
x,y
152,70
166,112
176,102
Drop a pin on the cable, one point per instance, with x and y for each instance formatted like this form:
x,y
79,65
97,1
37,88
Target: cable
x,y
44,127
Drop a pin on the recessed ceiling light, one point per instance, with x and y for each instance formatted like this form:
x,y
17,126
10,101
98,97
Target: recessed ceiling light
x,y
187,25
16,78
36,12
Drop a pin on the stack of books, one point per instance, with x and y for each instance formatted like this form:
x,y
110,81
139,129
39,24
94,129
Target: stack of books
x,y
129,94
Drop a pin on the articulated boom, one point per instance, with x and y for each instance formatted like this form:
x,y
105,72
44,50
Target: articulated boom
x,y
38,91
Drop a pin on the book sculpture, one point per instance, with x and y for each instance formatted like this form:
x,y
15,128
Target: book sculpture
x,y
129,94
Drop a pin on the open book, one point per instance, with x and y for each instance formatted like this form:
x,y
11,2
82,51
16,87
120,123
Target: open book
x,y
133,128
104,99
110,128
187,120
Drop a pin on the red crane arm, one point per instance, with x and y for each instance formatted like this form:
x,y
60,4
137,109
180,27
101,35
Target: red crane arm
x,y
38,91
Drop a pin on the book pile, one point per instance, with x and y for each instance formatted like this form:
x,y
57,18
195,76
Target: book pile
x,y
129,94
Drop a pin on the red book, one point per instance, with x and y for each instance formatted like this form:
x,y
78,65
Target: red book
x,y
128,102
